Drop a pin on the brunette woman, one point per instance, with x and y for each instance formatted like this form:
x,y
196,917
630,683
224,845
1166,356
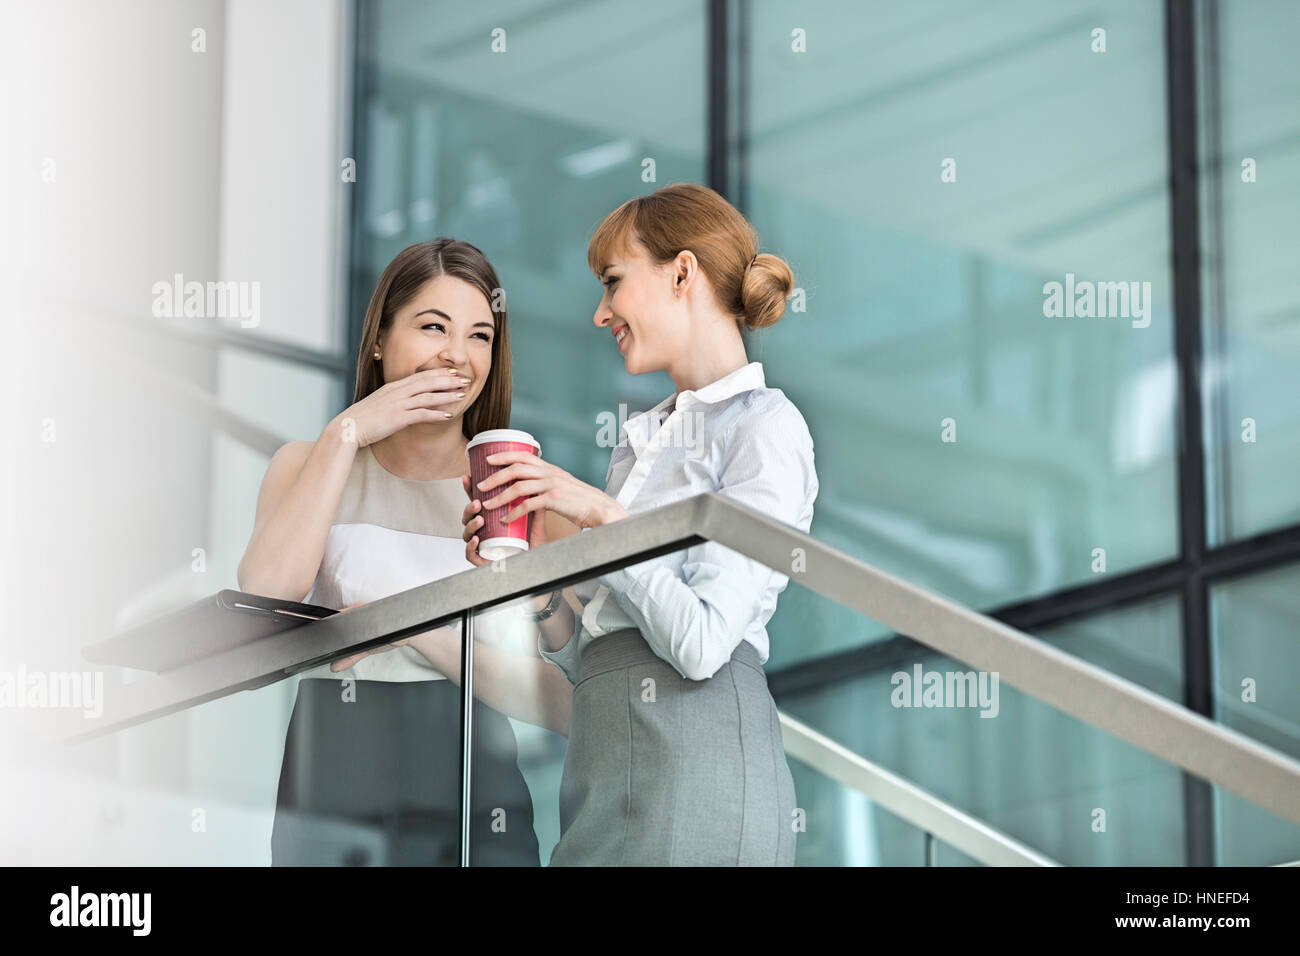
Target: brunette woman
x,y
372,508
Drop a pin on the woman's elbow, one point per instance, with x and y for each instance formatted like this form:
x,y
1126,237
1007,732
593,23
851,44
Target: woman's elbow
x,y
263,587
699,672
703,664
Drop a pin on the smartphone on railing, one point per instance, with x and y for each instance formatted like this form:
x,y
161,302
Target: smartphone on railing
x,y
219,622
256,604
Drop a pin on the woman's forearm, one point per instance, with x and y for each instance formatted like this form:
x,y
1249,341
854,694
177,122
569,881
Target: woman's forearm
x,y
526,688
286,547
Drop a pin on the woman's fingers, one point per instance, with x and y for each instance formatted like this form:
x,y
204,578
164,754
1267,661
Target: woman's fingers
x,y
506,474
471,524
472,555
349,661
511,457
512,473
529,504
520,489
431,380
433,400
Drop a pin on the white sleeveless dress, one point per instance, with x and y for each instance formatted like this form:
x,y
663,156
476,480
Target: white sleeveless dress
x,y
392,534
372,775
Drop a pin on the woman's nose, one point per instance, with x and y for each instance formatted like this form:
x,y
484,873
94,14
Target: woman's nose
x,y
453,354
603,316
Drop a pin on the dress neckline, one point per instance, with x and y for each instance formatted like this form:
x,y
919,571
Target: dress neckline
x,y
409,481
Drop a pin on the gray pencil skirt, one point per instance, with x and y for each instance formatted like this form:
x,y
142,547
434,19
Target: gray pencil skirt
x,y
665,771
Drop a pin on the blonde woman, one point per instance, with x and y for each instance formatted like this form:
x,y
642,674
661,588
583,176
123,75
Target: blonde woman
x,y
694,773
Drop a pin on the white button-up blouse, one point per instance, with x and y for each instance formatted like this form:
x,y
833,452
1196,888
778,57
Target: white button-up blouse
x,y
736,437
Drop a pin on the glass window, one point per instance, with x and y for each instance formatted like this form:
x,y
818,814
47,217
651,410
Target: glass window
x,y
1250,201
289,399
1256,660
928,176
518,132
1027,769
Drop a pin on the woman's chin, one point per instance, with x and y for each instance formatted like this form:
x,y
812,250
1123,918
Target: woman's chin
x,y
630,362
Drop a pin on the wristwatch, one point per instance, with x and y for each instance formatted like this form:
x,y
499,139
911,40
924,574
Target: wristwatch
x,y
551,607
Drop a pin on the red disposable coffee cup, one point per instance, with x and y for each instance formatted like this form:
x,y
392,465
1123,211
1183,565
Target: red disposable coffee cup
x,y
497,539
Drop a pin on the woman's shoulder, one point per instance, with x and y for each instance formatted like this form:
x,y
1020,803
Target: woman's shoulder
x,y
291,456
769,451
281,472
296,449
765,430
288,461
769,413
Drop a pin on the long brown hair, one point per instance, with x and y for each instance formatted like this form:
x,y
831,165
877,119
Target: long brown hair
x,y
406,274
750,285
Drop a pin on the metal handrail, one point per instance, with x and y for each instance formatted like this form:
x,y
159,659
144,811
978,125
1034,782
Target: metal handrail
x,y
905,799
1104,700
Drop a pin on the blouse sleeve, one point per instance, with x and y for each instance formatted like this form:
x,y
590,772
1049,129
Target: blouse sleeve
x,y
566,658
696,619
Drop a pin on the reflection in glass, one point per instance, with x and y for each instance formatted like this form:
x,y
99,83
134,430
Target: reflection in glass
x,y
1250,201
1026,768
966,441
1256,663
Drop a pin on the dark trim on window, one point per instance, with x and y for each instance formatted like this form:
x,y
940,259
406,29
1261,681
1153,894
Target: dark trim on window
x,y
717,116
728,76
358,296
1180,63
741,77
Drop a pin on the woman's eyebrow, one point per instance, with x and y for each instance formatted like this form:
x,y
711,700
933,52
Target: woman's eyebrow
x,y
486,325
435,312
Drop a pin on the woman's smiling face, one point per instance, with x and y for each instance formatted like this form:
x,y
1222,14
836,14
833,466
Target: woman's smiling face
x,y
638,306
447,324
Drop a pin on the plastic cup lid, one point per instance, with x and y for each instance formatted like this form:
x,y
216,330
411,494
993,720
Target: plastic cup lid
x,y
504,434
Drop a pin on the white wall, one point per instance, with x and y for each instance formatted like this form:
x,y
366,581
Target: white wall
x,y
218,165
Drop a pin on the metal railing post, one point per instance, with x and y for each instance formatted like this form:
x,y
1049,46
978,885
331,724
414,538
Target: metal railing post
x,y
466,732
